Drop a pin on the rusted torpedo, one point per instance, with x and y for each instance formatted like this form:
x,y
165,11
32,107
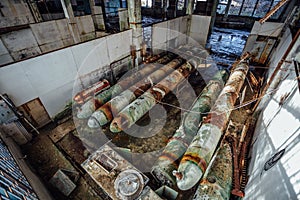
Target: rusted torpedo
x,y
217,181
105,113
93,104
89,92
177,145
134,111
200,151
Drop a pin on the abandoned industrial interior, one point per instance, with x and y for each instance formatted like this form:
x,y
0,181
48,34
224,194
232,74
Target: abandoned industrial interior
x,y
149,99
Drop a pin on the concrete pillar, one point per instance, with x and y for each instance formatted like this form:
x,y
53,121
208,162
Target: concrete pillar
x,y
97,16
35,11
134,12
213,15
123,19
227,10
68,11
190,7
135,23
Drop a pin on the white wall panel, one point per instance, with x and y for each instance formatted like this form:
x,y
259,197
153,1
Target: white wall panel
x,y
199,28
51,76
56,99
50,71
278,128
15,83
119,45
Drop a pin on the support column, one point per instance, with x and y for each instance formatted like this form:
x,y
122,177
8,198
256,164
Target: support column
x,y
97,16
135,23
213,16
34,11
68,11
123,19
227,10
190,7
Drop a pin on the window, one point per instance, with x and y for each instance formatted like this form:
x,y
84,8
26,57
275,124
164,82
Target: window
x,y
235,7
147,3
278,12
222,6
50,9
262,8
248,7
180,4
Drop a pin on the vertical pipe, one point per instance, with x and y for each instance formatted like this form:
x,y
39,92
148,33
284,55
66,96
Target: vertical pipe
x,y
200,151
177,145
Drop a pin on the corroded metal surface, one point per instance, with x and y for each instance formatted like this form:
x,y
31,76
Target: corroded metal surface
x,y
105,113
90,106
216,184
89,92
134,111
272,11
177,145
200,151
106,167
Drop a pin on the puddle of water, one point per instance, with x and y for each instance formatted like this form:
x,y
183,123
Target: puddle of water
x,y
227,45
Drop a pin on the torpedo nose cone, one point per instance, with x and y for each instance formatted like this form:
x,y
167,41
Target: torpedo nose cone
x,y
93,123
191,174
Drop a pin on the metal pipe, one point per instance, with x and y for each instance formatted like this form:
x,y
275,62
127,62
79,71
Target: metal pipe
x,y
94,89
134,111
216,184
177,145
90,106
105,113
200,151
236,189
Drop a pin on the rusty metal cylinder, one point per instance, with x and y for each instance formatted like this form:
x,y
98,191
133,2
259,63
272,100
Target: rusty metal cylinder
x,y
134,111
217,181
90,106
105,113
177,145
199,153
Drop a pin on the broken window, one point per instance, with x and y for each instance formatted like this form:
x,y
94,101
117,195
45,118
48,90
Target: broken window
x,y
222,6
180,4
147,3
262,8
235,7
248,7
277,14
81,7
50,9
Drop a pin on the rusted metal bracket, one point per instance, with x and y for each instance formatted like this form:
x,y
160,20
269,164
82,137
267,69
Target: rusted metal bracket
x,y
272,11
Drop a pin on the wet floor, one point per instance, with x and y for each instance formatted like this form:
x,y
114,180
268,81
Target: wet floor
x,y
227,45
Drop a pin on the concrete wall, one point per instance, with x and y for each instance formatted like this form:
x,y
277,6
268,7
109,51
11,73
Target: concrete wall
x,y
52,76
42,37
14,13
277,129
169,34
199,28
267,29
